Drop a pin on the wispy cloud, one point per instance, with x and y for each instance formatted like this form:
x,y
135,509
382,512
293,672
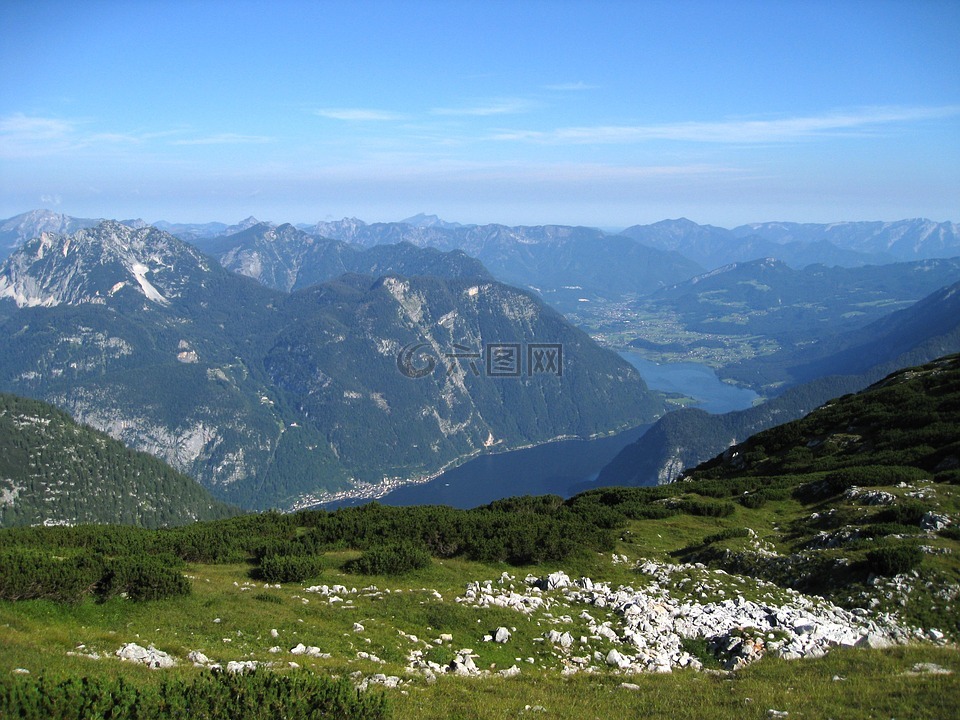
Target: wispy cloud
x,y
25,136
34,128
570,87
736,131
225,139
359,114
510,106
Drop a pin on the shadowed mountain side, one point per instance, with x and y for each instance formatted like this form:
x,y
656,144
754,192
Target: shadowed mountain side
x,y
55,471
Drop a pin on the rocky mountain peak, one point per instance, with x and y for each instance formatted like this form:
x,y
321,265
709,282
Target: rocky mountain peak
x,y
95,264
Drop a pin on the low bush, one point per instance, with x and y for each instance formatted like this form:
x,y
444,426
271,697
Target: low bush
x,y
904,513
895,559
143,578
290,568
728,534
252,696
706,508
391,559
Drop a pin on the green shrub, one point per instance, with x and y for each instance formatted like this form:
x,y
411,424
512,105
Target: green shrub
x,y
951,477
951,532
895,559
290,568
877,530
904,513
144,578
728,534
32,574
706,508
392,559
753,501
252,696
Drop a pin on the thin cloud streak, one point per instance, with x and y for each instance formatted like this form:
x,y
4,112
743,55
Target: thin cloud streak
x,y
733,131
570,87
498,107
359,114
226,139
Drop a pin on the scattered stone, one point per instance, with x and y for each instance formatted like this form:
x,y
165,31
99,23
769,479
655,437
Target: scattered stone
x,y
873,641
934,521
149,656
629,686
198,658
241,666
501,635
929,669
616,659
274,633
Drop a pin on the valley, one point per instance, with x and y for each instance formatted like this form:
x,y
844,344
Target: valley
x,y
480,361
709,486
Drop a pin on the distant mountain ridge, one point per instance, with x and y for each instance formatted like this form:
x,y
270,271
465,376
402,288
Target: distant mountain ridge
x,y
903,239
848,244
715,247
285,258
267,397
548,258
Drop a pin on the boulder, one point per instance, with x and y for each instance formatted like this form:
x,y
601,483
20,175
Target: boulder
x,y
149,656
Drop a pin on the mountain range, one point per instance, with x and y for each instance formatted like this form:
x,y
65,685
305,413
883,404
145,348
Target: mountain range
x,y
285,258
560,262
848,244
269,398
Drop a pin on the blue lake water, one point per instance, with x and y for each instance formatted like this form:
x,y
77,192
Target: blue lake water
x,y
570,466
561,468
694,380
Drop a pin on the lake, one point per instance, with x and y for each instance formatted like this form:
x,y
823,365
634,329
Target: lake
x,y
569,466
693,380
564,468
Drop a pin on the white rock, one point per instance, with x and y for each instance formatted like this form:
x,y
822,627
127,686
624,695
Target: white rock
x,y
149,656
241,666
197,657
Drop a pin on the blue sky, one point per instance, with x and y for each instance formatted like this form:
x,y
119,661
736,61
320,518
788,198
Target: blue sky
x,y
594,113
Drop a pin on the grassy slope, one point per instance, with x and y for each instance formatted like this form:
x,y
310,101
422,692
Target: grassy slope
x,y
860,683
37,635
